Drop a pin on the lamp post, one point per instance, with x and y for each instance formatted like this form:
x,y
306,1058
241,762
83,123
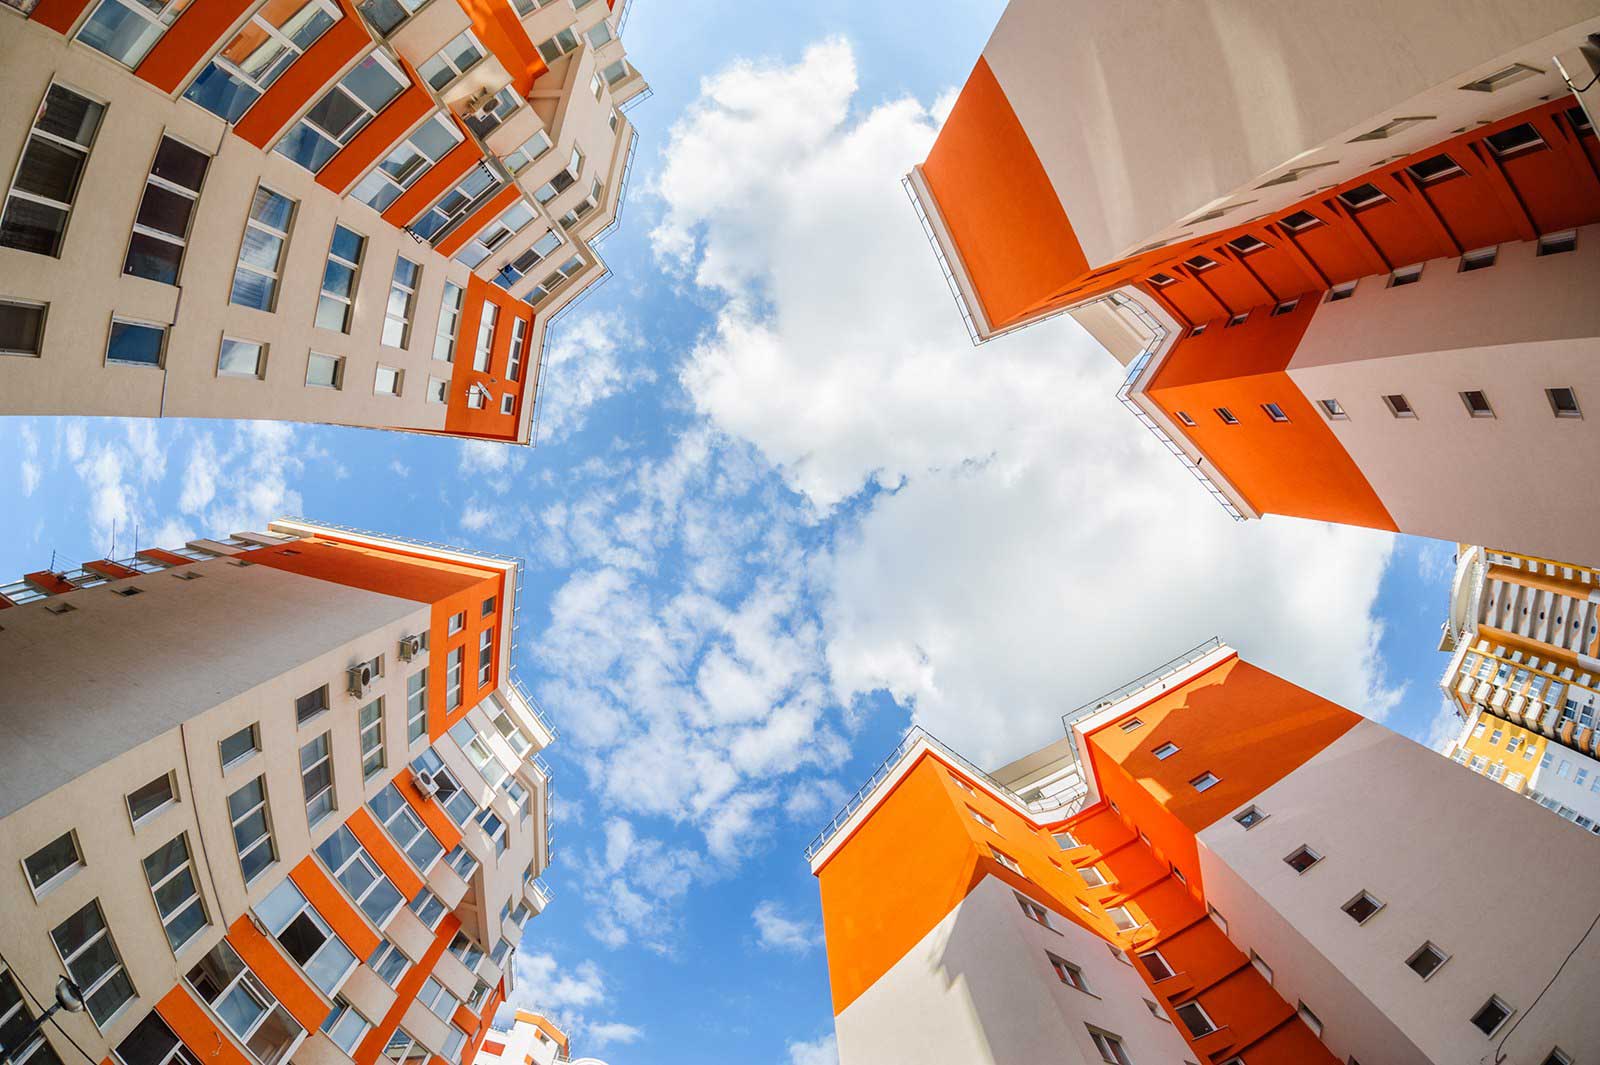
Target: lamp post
x,y
68,998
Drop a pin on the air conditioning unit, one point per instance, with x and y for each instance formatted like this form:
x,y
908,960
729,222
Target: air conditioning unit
x,y
358,679
482,105
425,782
409,646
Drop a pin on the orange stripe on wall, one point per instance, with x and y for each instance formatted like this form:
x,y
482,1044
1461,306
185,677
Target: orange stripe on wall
x,y
375,141
394,864
281,976
433,183
502,32
53,583
388,572
188,41
488,423
406,992
107,568
428,810
474,222
59,15
335,907
305,79
191,1023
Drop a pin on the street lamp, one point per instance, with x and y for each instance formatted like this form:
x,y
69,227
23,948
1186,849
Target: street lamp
x,y
68,998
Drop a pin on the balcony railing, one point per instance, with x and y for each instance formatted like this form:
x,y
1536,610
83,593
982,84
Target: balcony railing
x,y
1170,668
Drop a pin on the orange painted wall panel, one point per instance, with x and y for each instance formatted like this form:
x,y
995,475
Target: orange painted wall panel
x,y
188,41
420,579
1003,214
191,1023
468,601
377,138
304,81
280,975
411,981
428,810
479,218
59,15
501,31
433,183
488,423
169,558
335,907
394,864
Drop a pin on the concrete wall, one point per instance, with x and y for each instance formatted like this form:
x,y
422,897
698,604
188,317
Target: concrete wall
x,y
979,989
1446,851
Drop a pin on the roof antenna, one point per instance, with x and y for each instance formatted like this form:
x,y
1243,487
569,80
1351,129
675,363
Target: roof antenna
x,y
113,554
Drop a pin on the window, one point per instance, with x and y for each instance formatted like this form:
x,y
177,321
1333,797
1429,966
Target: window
x,y
438,390
316,777
1156,965
444,341
532,148
1477,404
485,656
485,119
310,705
1109,1046
1362,197
558,46
1183,416
466,951
1195,1018
339,277
241,358
53,863
136,343
1217,918
402,303
494,828
1247,244
151,1042
1166,750
1162,280
342,112
255,279
478,186
1300,221
1302,858
563,180
388,962
47,177
126,30
1238,319
1515,141
1563,402
22,327
416,706
324,371
1313,1022
1362,907
161,227
982,820
564,273
1092,876
1274,412
1285,307
1426,959
1556,243
452,678
494,235
151,799
1006,860
1491,1015
1399,406
366,884
453,60
1199,263
91,959
519,336
1481,259
1261,966
170,873
1434,168
345,1026
1131,725
388,381
244,1005
305,937
405,827
258,55
1122,919
1066,840
1342,291
1199,329
484,350
401,168
427,907
252,829
1333,409
372,755
238,747
1068,973
1204,781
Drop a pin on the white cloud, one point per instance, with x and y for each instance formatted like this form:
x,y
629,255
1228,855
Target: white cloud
x,y
488,457
1029,544
476,517
582,367
606,1033
1444,727
200,476
543,984
29,467
823,1051
774,931
399,469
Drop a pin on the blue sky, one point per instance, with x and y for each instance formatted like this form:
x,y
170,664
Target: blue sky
x,y
780,508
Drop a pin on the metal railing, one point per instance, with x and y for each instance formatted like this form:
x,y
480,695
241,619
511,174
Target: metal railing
x,y
1169,668
913,736
541,889
549,342
1125,395
622,191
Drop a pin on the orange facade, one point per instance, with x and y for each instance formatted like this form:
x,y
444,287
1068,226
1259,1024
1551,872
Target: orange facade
x,y
920,851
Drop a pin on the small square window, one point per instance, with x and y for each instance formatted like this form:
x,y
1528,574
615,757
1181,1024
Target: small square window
x,y
1580,120
127,592
1477,404
1362,907
1165,751
1342,291
238,747
1195,1019
1261,966
1362,197
1066,841
962,784
457,623
1183,416
53,863
1226,415
59,607
1247,244
187,575
1006,860
135,343
1156,965
1274,412
1434,168
1131,725
508,403
1556,1057
1302,858
1556,243
1238,319
1491,1015
1313,1022
1399,406
1285,307
1216,916
1563,402
1199,263
1110,1047
982,820
1300,221
151,799
1068,973
22,327
1162,280
1205,781
1092,876
241,358
1426,959
1515,141
1155,1011
324,371
1121,918
1178,873
1035,912
1406,275
310,705
1479,259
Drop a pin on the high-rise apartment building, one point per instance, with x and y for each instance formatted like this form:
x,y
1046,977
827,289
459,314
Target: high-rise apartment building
x,y
532,1039
363,213
1524,674
1347,254
266,798
1214,867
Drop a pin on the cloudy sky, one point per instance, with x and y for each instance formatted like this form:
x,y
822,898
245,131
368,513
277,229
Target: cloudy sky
x,y
780,509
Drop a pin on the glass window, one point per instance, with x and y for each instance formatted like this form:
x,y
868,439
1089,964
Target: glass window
x,y
161,227
496,233
428,908
252,829
384,15
401,168
52,163
486,119
339,277
342,112
444,341
305,936
405,828
372,755
126,30
485,656
241,358
244,1005
324,371
136,343
452,678
479,185
360,876
258,54
559,45
53,862
453,60
529,150
170,873
416,706
316,777
345,1026
151,798
402,302
152,1042
22,327
484,350
91,958
388,962
266,234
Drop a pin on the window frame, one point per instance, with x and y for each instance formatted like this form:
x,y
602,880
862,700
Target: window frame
x,y
265,808
175,189
89,988
274,275
197,899
83,151
61,876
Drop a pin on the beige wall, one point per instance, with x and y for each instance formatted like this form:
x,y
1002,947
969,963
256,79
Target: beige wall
x,y
1512,330
1447,851
979,989
1175,107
